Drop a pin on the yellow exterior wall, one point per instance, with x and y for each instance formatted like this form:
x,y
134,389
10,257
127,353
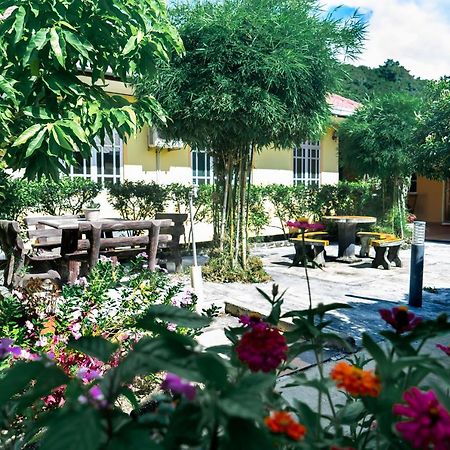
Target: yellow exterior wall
x,y
329,158
430,200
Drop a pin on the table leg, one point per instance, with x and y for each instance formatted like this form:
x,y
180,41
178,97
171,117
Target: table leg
x,y
347,238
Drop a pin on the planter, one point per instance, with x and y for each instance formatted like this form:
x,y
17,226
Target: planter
x,y
92,214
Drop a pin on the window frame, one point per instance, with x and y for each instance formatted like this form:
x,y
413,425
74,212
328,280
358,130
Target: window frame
x,y
208,178
307,154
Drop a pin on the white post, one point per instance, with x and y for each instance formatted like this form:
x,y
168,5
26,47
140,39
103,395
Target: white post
x,y
196,270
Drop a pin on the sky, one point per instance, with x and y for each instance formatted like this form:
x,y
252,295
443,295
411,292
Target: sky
x,y
414,32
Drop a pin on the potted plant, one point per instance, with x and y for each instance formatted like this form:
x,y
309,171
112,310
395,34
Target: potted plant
x,y
92,211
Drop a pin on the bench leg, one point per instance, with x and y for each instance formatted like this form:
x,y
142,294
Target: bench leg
x,y
365,246
381,258
177,259
302,252
393,256
319,256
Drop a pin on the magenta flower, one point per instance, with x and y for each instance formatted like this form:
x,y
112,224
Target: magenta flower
x,y
253,321
6,348
400,318
262,347
175,384
429,426
444,348
95,397
87,375
304,225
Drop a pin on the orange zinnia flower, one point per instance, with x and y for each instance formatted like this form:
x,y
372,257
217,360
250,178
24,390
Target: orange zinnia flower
x,y
283,423
356,381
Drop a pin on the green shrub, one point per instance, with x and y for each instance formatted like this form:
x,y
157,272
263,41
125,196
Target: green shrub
x,y
65,196
16,197
138,200
220,270
258,216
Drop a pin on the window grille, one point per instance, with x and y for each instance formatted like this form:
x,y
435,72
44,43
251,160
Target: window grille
x,y
307,163
202,168
105,163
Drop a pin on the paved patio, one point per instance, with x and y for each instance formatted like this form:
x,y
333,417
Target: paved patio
x,y
358,285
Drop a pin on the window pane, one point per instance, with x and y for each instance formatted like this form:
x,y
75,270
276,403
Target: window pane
x,y
108,163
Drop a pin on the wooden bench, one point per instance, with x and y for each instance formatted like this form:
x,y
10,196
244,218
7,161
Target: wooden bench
x,y
313,249
366,238
76,249
169,237
17,259
386,252
42,236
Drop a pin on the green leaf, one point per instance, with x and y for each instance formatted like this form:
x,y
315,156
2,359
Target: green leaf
x,y
173,314
57,47
17,378
375,350
27,135
37,42
213,369
36,143
352,413
132,437
83,48
94,346
75,430
18,24
130,45
61,138
76,128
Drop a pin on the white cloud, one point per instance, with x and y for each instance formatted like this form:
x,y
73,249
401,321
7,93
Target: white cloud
x,y
414,32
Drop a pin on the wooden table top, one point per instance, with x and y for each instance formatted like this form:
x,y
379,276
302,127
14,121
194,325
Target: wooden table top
x,y
351,219
105,224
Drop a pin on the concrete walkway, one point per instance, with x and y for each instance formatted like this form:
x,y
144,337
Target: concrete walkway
x,y
365,289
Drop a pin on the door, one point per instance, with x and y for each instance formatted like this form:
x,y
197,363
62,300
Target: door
x,y
447,202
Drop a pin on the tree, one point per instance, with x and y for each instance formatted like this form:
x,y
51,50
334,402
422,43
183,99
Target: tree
x,y
47,110
377,141
433,131
255,73
362,83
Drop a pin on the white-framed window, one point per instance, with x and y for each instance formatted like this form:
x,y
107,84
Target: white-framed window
x,y
105,164
307,163
202,167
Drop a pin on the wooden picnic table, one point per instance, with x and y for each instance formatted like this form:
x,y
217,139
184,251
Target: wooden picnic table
x,y
99,239
347,234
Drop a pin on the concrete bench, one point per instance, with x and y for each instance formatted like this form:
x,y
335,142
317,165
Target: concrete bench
x,y
314,249
386,252
366,238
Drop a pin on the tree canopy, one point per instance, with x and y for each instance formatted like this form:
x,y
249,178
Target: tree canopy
x,y
362,83
433,131
47,111
254,72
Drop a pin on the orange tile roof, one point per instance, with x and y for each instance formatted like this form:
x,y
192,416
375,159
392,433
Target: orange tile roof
x,y
341,106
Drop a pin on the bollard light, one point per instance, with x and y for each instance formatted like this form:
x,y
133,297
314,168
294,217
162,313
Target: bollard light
x,y
416,271
419,233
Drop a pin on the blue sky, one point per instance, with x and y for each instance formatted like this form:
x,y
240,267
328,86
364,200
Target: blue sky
x,y
414,32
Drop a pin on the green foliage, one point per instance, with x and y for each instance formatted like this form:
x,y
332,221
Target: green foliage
x,y
433,131
230,401
362,83
49,112
243,84
65,196
138,200
220,270
46,196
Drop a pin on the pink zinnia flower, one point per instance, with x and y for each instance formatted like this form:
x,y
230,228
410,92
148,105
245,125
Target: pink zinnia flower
x,y
175,384
400,318
262,347
429,424
87,375
444,348
304,225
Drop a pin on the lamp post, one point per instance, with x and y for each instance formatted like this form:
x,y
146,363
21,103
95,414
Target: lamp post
x,y
416,271
196,270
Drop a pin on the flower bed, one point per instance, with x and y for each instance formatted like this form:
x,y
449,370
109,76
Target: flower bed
x,y
228,397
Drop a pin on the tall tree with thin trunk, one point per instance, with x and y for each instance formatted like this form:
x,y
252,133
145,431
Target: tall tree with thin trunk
x,y
255,73
378,141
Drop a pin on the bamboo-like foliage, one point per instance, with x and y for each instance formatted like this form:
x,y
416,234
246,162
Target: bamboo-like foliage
x,y
378,141
255,73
